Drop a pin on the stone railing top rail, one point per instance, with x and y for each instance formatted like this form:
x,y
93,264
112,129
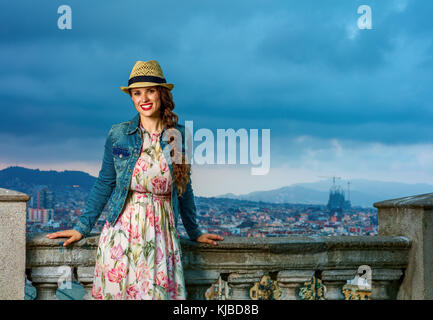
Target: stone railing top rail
x,y
238,253
272,244
418,201
7,195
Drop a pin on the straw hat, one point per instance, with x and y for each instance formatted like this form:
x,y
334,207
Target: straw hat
x,y
146,74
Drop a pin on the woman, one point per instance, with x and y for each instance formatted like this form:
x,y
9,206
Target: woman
x,y
139,254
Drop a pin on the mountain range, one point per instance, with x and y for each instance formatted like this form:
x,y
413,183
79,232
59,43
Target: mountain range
x,y
362,192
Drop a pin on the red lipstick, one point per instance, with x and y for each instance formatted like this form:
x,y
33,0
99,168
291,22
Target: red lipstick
x,y
146,106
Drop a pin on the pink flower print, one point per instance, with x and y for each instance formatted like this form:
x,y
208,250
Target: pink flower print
x,y
159,255
116,252
157,226
136,171
139,188
142,272
126,217
170,268
155,137
158,201
159,184
150,214
141,195
161,279
171,219
97,269
104,232
117,274
176,258
134,235
132,292
97,292
163,164
118,296
142,163
145,287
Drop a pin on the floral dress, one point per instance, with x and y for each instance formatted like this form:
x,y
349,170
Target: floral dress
x,y
139,257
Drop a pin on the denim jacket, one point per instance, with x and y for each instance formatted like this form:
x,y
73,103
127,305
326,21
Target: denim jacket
x,y
122,150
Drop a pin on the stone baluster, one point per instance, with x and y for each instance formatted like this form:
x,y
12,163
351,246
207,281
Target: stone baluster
x,y
198,281
46,280
334,280
386,283
241,283
290,281
85,277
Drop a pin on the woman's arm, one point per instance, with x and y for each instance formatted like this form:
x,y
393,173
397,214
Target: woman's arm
x,y
188,212
100,192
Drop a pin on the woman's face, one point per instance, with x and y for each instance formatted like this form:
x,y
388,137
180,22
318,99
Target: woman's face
x,y
147,101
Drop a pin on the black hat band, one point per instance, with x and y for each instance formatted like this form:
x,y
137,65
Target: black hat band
x,y
146,79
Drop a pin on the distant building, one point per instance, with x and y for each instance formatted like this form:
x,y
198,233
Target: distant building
x,y
43,206
337,202
40,215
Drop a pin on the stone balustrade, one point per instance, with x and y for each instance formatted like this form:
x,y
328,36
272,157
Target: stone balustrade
x,y
240,262
398,261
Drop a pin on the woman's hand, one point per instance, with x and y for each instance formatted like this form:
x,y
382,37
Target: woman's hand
x,y
208,238
72,234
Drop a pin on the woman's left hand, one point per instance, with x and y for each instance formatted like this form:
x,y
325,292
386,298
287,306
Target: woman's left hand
x,y
208,238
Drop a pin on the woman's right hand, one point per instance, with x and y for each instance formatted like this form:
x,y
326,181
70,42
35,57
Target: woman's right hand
x,y
72,234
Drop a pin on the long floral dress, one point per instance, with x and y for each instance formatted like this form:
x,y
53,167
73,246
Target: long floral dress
x,y
140,256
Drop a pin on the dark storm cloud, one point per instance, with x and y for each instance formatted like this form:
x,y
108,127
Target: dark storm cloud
x,y
297,67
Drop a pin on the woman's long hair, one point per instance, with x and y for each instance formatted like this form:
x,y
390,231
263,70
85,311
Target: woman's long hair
x,y
181,169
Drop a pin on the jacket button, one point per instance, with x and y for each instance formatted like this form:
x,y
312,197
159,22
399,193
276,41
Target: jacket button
x,y
120,155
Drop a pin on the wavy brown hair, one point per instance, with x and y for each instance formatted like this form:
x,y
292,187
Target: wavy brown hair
x,y
181,169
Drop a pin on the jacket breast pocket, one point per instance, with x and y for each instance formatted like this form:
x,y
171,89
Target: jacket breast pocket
x,y
120,157
121,152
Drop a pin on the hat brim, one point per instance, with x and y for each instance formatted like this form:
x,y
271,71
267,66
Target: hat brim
x,y
146,84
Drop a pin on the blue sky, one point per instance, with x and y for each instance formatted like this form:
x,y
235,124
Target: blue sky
x,y
338,100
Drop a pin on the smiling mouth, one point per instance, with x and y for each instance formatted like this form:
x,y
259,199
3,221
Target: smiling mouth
x,y
146,107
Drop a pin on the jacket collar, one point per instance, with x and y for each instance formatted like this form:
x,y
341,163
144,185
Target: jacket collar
x,y
133,124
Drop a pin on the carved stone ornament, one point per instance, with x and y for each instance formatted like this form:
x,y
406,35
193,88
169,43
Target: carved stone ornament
x,y
354,292
313,290
266,289
218,291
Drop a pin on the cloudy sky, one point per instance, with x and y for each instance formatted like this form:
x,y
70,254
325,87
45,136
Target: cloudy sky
x,y
338,100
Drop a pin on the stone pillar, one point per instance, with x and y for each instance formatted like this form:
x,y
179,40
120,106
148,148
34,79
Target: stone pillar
x,y
412,217
385,283
12,244
85,277
46,280
334,280
290,281
198,281
241,283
